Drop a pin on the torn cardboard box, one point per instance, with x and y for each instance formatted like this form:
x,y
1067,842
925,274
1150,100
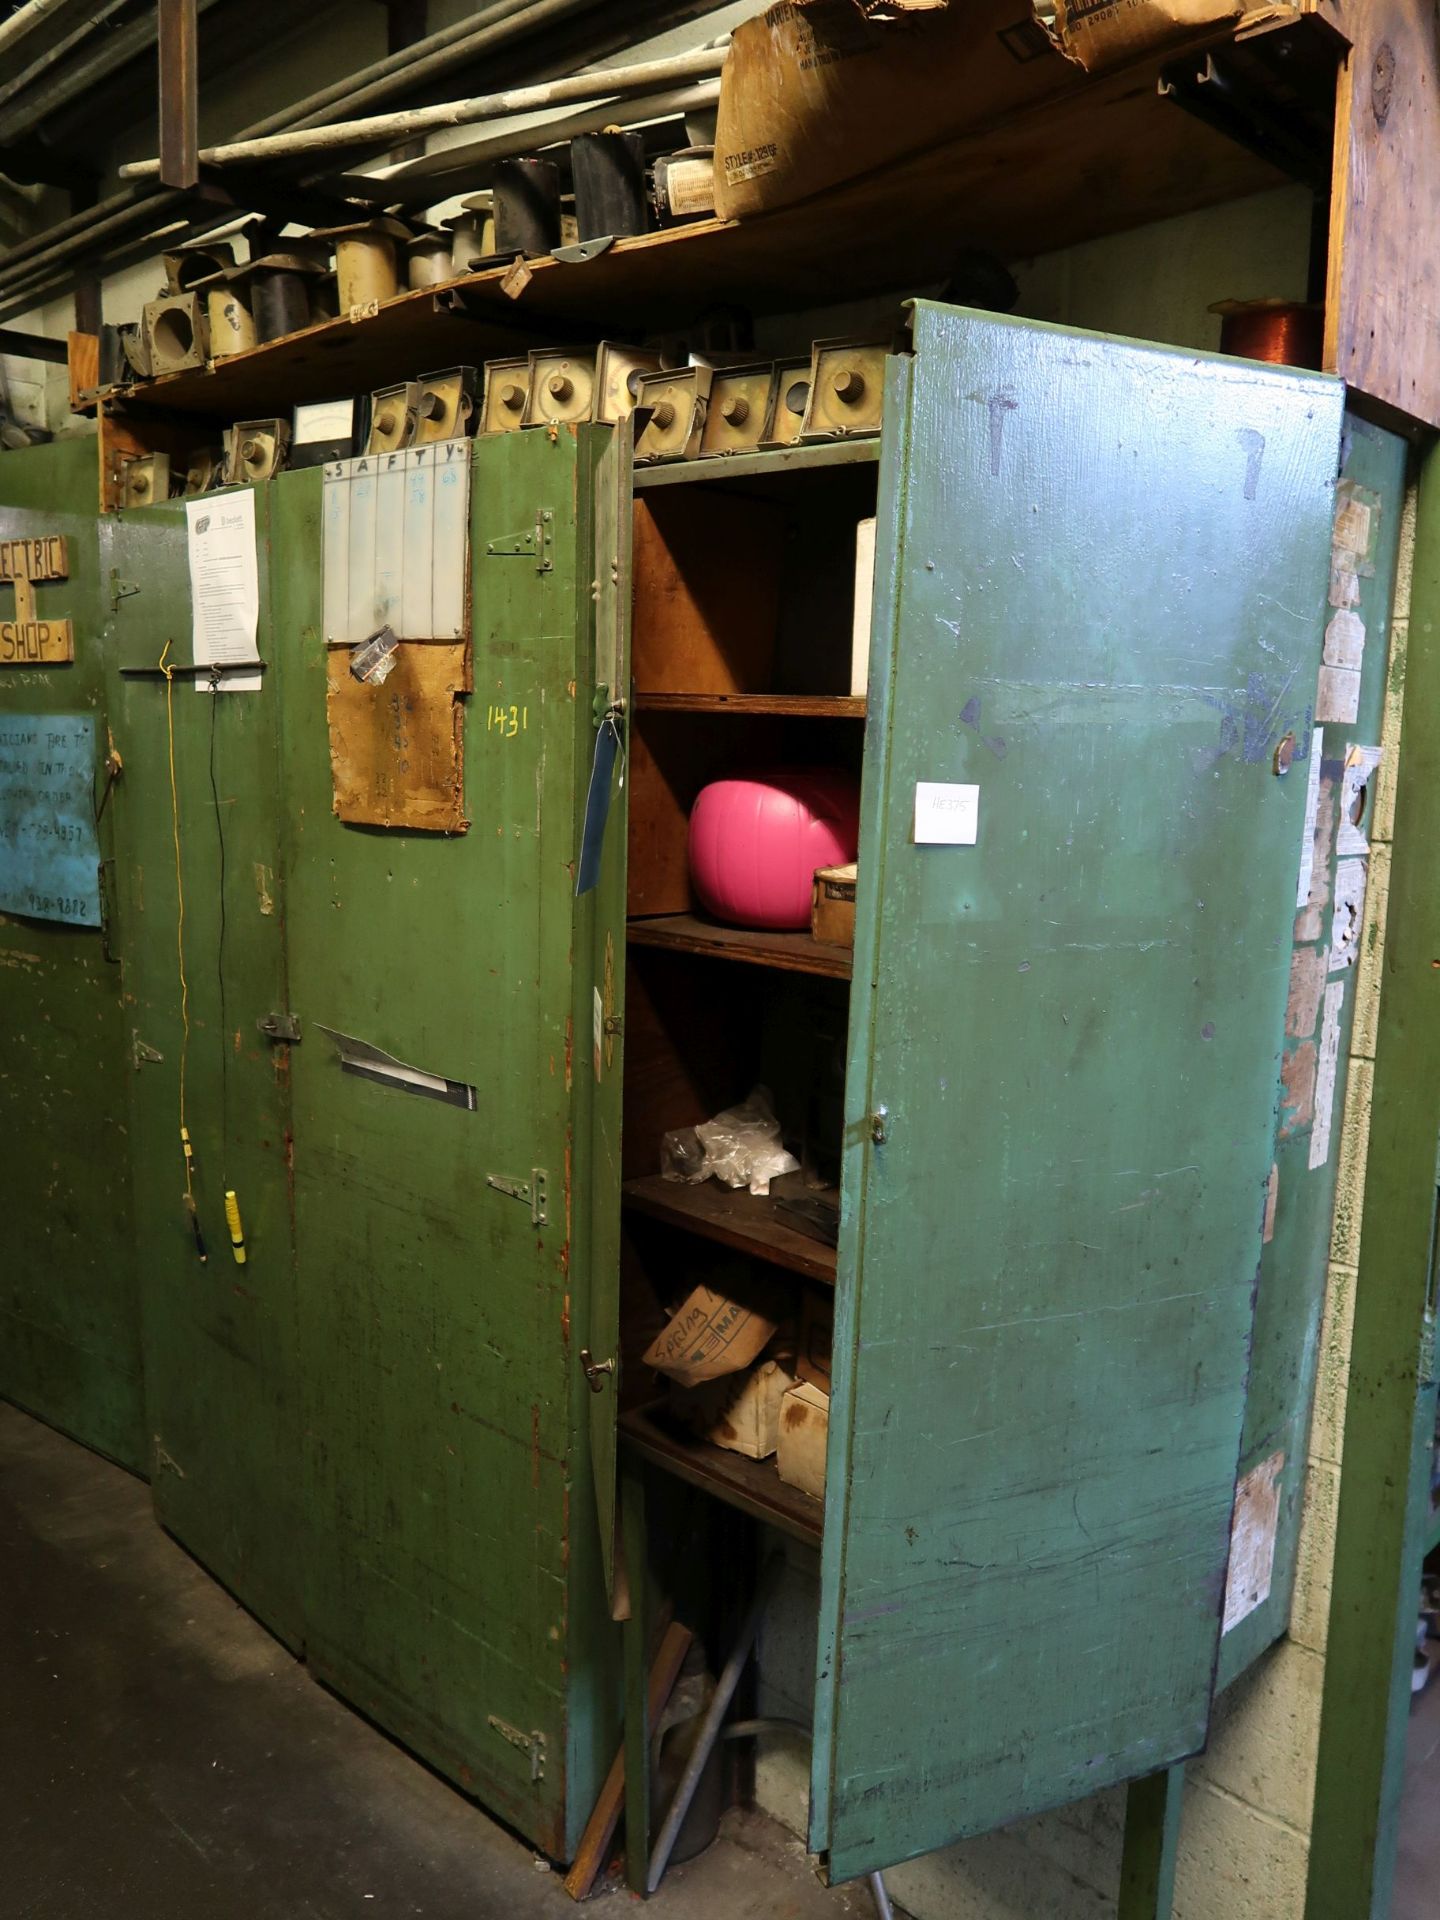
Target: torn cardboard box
x,y
711,1335
814,93
740,1413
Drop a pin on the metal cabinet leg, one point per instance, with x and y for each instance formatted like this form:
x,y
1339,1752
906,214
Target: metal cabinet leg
x,y
1152,1834
637,1674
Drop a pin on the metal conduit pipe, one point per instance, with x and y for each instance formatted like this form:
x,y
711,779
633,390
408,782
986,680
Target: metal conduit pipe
x,y
396,128
27,75
25,20
309,112
32,272
101,219
422,182
37,104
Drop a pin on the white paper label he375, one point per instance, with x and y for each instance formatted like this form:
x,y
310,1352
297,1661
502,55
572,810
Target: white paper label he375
x,y
946,815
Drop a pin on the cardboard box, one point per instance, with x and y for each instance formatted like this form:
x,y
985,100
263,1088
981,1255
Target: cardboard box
x,y
804,1435
817,1336
832,906
740,1412
815,93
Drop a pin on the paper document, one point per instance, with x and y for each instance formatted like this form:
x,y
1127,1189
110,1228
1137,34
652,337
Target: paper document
x,y
224,586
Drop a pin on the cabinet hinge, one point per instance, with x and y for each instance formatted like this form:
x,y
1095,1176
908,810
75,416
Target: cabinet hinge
x,y
279,1026
532,1191
535,543
531,1743
120,590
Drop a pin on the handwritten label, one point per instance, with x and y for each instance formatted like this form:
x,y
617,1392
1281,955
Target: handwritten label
x,y
507,721
946,814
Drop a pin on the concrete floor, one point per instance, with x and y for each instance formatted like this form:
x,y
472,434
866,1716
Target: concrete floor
x,y
1417,1868
165,1759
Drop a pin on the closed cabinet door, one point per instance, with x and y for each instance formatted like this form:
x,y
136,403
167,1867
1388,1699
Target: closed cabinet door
x,y
201,937
451,1568
1096,638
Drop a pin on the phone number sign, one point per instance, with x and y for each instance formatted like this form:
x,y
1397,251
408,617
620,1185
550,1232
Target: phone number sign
x,y
49,853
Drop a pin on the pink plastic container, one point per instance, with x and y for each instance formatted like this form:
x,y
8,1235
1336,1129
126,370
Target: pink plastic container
x,y
755,842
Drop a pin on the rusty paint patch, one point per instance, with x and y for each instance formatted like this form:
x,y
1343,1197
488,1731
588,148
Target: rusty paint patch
x,y
263,877
20,962
569,1051
535,1444
1272,1200
1307,983
1297,1089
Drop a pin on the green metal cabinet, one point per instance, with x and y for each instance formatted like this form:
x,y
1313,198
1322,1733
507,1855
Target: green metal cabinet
x,y
1099,598
69,1325
197,825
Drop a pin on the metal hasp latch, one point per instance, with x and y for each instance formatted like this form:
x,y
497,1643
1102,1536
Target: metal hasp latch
x,y
532,1191
530,1743
880,1126
535,543
595,1370
279,1026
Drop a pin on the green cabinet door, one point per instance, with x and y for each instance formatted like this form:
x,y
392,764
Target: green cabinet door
x,y
196,828
451,1567
1103,612
69,1323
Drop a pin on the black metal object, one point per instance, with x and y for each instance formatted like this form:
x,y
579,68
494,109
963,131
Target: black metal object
x,y
1273,95
31,346
609,176
279,302
195,670
527,206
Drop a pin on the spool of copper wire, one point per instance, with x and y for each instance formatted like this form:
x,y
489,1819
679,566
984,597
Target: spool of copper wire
x,y
1287,333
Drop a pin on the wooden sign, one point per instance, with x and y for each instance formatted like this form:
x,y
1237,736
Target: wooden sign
x,y
27,641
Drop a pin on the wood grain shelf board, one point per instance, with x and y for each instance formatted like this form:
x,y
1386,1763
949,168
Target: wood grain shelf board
x,y
812,457
754,1486
748,1222
799,706
790,952
1027,185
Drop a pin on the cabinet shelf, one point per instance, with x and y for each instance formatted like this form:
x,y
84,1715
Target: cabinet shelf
x,y
791,952
754,1486
798,706
749,1222
762,464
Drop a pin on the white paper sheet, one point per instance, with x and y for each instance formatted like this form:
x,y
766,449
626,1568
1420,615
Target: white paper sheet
x,y
224,586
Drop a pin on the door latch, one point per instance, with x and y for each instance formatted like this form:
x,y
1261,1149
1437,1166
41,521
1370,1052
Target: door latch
x,y
534,1191
880,1126
595,1370
279,1026
531,1744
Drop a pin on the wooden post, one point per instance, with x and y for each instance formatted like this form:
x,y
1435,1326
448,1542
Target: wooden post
x,y
179,94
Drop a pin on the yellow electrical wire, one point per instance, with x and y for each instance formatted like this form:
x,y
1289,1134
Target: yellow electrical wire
x,y
185,1147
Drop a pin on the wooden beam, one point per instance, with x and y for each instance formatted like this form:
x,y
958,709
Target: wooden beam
x,y
31,346
179,93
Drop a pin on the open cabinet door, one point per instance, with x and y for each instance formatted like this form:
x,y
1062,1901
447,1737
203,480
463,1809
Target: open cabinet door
x,y
602,873
1099,603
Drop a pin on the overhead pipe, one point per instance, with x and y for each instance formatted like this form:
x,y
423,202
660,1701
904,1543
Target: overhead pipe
x,y
27,75
25,20
31,272
395,129
423,182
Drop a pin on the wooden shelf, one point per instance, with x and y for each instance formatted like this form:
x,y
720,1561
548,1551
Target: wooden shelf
x,y
791,952
1027,185
754,1486
748,1222
797,706
814,455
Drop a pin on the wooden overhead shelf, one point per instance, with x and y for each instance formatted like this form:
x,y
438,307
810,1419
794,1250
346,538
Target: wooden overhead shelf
x,y
1108,154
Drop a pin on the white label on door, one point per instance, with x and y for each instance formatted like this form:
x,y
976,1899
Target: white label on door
x,y
1252,1540
946,815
